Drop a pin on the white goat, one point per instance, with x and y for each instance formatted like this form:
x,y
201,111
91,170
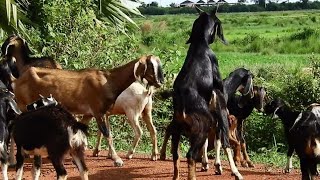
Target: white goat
x,y
133,102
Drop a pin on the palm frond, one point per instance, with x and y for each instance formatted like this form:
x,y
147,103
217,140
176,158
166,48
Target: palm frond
x,y
118,11
14,16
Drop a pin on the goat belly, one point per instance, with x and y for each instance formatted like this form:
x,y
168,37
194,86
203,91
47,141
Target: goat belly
x,y
42,151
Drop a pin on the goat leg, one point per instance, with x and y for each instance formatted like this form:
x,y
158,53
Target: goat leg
x,y
97,149
165,141
19,165
37,161
245,155
205,160
4,160
175,154
147,117
288,167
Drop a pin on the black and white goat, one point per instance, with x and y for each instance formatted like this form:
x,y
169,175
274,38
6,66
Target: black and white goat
x,y
8,110
42,102
302,130
50,131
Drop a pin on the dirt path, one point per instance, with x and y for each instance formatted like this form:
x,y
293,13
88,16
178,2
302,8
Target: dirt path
x,y
140,167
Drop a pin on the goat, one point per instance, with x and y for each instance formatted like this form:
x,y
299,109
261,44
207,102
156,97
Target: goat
x,y
241,107
135,101
8,110
50,131
42,102
17,51
238,80
192,90
6,75
89,92
303,136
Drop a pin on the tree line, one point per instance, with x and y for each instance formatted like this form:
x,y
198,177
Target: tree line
x,y
260,5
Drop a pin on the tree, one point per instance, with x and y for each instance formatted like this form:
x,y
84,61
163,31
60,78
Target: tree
x,y
154,4
242,1
15,13
173,5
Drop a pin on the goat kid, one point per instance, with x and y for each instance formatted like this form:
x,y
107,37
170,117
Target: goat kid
x,y
133,102
50,132
88,92
303,136
8,110
241,107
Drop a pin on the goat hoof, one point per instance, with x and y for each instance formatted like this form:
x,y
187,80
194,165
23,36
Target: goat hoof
x,y
129,156
244,164
205,167
238,176
154,157
163,157
95,153
218,168
287,170
12,165
118,163
250,164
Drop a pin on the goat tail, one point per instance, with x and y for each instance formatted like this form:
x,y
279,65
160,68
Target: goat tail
x,y
78,135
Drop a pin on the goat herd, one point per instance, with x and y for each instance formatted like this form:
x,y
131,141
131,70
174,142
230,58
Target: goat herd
x,y
207,109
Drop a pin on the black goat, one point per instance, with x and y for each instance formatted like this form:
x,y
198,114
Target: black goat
x,y
192,91
302,130
8,110
6,75
238,80
50,131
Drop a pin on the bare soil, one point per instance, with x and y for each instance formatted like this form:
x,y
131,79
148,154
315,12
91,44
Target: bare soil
x,y
141,167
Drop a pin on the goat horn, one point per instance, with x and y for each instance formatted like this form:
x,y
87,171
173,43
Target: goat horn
x,y
198,9
41,96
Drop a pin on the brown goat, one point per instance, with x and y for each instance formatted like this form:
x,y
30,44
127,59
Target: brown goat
x,y
89,92
17,51
234,142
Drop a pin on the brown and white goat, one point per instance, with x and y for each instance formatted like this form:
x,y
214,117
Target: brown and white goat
x,y
89,92
133,102
17,51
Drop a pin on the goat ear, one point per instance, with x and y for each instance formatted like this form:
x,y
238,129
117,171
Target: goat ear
x,y
13,105
137,71
7,49
27,47
41,96
218,31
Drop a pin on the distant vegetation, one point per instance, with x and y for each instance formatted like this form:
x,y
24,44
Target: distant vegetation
x,y
258,7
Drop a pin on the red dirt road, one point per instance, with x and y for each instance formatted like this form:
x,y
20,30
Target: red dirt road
x,y
142,168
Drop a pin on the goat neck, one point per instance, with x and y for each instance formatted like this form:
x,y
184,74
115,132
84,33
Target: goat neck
x,y
122,77
229,87
287,116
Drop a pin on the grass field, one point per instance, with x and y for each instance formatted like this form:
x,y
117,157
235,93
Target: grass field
x,y
275,46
